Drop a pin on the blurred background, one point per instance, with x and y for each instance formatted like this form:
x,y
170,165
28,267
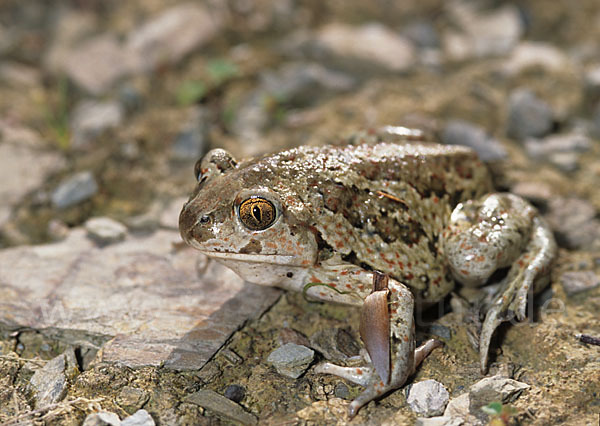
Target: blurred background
x,y
106,105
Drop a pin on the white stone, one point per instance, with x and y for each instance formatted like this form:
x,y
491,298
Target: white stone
x,y
428,398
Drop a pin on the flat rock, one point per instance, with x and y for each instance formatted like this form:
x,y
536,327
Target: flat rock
x,y
428,398
102,418
91,118
495,388
222,406
577,281
49,383
143,301
172,34
531,54
528,115
105,230
291,360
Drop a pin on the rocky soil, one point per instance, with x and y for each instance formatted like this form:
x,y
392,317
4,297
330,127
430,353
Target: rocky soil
x,y
105,318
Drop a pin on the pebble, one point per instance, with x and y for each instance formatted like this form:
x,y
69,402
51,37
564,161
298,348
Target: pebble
x,y
193,141
221,405
341,391
577,281
91,118
336,344
131,399
371,45
304,83
428,398
291,360
530,54
95,65
440,331
105,230
484,34
74,189
459,132
528,115
538,193
49,383
574,223
495,388
171,35
236,393
139,418
561,143
423,34
102,418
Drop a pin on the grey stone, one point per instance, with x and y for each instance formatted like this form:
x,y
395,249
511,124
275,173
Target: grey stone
x,y
440,331
193,140
91,118
221,406
428,398
528,115
102,418
495,388
574,223
171,35
105,230
74,189
139,418
565,161
97,64
561,143
235,392
177,315
291,360
341,391
482,34
538,192
371,45
423,34
304,83
49,383
439,421
577,281
336,344
458,407
459,132
131,399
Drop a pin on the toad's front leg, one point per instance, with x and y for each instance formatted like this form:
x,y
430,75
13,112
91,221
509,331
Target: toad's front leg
x,y
387,329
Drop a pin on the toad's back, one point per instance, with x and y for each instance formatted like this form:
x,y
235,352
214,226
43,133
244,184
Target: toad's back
x,y
383,205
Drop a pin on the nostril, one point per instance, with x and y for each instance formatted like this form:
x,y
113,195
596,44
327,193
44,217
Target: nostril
x,y
205,219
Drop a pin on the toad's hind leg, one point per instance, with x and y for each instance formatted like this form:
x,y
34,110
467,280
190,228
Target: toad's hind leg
x,y
402,356
498,231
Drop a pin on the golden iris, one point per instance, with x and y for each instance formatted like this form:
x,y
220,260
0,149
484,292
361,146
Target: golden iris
x,y
257,213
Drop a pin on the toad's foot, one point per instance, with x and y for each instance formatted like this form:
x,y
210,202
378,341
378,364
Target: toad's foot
x,y
498,231
387,329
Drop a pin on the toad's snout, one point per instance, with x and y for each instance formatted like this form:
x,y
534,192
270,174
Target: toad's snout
x,y
195,225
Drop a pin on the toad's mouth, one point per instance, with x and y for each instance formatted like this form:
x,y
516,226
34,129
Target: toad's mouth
x,y
277,259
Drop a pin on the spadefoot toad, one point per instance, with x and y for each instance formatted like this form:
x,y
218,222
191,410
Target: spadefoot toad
x,y
383,222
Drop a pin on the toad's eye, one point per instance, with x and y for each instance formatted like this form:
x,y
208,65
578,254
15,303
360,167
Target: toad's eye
x,y
257,213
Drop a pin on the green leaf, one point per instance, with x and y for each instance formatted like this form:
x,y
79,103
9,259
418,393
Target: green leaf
x,y
221,70
493,408
190,91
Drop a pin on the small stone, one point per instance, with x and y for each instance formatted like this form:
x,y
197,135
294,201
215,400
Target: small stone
x,y
458,132
139,418
428,398
458,407
102,418
91,118
221,406
566,161
75,189
105,230
304,83
336,344
423,34
495,388
130,98
341,391
291,360
131,399
370,45
574,223
439,421
528,115
577,281
97,64
440,331
529,54
538,193
562,143
171,35
50,382
192,141
235,392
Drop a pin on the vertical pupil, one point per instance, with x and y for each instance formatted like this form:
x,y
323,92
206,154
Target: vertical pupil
x,y
256,212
